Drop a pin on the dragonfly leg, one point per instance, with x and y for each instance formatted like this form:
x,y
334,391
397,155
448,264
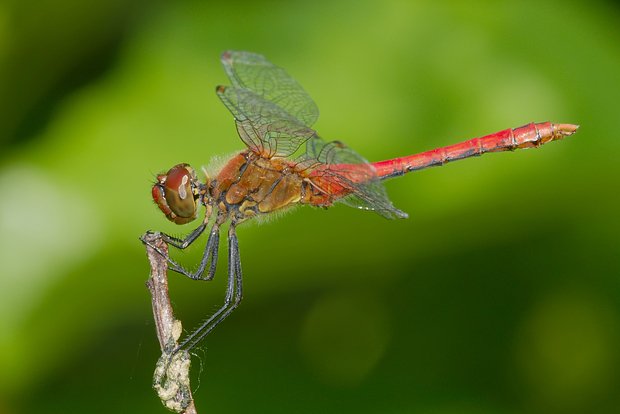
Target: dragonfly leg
x,y
234,293
189,239
174,241
209,258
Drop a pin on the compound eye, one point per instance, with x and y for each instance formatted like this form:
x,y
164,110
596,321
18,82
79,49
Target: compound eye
x,y
178,202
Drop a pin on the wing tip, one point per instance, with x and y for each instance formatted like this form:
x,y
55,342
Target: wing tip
x,y
226,56
403,215
398,214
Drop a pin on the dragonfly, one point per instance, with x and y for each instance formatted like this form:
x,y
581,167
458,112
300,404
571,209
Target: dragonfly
x,y
286,164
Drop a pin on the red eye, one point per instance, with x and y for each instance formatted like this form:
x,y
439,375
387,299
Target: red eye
x,y
174,194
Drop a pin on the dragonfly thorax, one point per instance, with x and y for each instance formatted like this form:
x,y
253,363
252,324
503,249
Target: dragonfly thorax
x,y
249,186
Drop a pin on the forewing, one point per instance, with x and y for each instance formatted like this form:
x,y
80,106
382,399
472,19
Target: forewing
x,y
254,73
264,127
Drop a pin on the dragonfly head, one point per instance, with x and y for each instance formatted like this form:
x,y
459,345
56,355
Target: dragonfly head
x,y
176,194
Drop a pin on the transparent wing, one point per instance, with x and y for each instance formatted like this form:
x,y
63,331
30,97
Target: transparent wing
x,y
273,112
348,169
255,73
263,126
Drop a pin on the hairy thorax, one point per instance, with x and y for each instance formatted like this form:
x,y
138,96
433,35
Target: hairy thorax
x,y
249,185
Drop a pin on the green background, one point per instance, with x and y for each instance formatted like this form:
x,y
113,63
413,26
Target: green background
x,y
500,293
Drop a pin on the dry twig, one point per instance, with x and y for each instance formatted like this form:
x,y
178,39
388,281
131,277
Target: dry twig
x,y
171,377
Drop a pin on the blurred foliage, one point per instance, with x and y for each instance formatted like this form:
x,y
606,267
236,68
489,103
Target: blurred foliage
x,y
499,295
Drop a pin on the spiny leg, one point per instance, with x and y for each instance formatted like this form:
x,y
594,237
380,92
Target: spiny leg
x,y
189,239
174,241
209,257
210,254
234,293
